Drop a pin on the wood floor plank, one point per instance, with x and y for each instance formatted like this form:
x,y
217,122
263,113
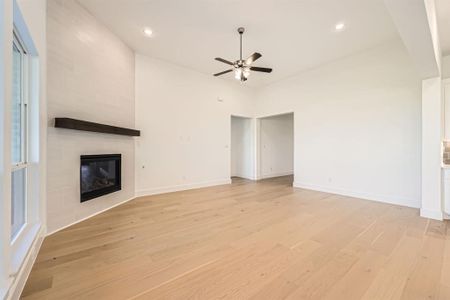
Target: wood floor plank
x,y
391,280
247,240
423,282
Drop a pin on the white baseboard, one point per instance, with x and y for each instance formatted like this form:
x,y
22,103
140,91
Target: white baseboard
x,y
432,214
244,176
181,187
446,216
402,201
20,280
90,216
276,175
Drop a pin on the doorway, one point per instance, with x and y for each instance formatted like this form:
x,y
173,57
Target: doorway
x,y
276,146
242,148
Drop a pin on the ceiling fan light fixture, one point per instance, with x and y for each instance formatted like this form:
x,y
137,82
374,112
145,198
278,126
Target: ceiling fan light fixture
x,y
238,73
242,68
241,73
246,72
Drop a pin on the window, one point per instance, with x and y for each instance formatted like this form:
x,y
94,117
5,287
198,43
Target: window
x,y
22,208
19,138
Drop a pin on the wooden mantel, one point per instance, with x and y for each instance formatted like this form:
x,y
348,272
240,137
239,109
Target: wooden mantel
x,y
75,124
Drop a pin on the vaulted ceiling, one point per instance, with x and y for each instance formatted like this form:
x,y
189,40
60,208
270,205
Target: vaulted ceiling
x,y
292,35
443,18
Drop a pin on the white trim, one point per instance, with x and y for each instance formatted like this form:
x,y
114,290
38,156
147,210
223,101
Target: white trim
x,y
19,282
244,176
181,187
275,114
432,214
241,116
24,33
21,245
396,200
446,216
289,173
90,216
258,156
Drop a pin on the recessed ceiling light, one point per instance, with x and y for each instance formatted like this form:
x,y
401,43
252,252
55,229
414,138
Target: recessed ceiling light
x,y
148,32
339,26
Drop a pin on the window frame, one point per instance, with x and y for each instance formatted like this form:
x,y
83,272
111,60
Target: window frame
x,y
24,136
18,253
21,242
17,42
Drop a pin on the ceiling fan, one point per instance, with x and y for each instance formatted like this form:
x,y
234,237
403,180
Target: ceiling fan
x,y
242,67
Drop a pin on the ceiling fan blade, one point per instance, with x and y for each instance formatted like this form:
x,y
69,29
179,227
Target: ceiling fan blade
x,y
224,72
258,69
224,61
252,58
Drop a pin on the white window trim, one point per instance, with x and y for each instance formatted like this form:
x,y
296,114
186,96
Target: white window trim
x,y
21,247
21,243
24,94
19,254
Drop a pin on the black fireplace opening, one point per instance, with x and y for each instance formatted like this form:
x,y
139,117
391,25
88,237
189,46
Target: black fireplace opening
x,y
99,175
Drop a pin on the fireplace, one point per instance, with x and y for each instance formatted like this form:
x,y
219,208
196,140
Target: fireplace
x,y
99,175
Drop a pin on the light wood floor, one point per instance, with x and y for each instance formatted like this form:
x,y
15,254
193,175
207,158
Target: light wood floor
x,y
247,240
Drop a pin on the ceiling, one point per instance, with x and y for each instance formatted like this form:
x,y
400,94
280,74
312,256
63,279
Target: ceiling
x,y
292,35
443,19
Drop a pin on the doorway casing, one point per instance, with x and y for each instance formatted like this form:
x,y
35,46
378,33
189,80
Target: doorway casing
x,y
255,136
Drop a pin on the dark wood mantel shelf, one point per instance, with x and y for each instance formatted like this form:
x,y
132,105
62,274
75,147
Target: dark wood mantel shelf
x,y
75,124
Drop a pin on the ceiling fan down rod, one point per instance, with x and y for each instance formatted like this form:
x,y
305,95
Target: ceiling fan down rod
x,y
241,31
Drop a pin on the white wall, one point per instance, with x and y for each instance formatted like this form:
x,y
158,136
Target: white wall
x,y
430,7
90,77
185,121
242,147
433,134
446,107
416,24
446,66
276,146
357,125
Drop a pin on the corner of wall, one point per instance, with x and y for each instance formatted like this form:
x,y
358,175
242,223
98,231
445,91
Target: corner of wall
x,y
432,214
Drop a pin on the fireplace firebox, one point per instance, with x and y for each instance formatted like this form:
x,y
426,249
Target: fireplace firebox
x,y
99,175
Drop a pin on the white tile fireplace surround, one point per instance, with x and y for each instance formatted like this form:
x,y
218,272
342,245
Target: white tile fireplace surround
x,y
90,77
